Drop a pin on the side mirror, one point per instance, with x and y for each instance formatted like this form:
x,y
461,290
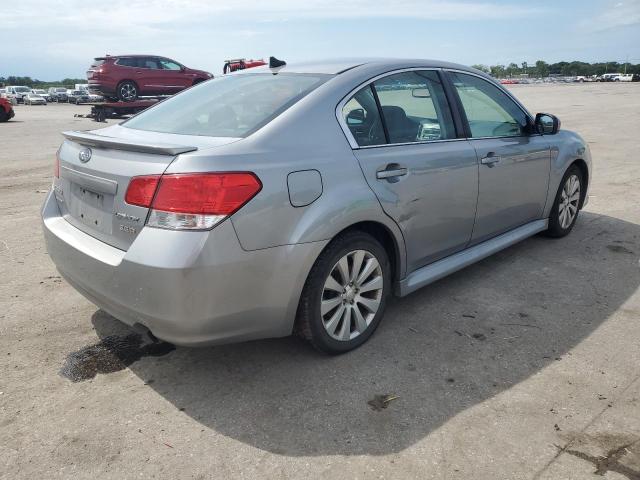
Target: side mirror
x,y
356,117
547,124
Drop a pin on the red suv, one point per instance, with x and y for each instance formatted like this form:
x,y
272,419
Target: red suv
x,y
127,77
6,110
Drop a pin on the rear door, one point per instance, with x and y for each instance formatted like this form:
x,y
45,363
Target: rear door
x,y
514,164
424,176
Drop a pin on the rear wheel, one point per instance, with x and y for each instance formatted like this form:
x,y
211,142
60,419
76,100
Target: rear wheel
x,y
566,207
344,297
127,91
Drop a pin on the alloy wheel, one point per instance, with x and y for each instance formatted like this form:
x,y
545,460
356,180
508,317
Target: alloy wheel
x,y
569,200
351,295
128,91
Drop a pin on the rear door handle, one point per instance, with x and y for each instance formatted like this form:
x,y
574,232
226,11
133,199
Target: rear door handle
x,y
490,160
391,172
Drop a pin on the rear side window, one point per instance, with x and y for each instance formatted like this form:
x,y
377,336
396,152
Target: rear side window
x,y
490,112
127,62
229,106
414,107
148,62
363,118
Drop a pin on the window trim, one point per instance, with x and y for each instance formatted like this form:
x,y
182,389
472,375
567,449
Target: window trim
x,y
463,114
443,78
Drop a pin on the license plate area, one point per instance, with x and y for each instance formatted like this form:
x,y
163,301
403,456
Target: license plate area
x,y
93,209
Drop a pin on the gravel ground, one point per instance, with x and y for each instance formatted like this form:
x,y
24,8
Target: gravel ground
x,y
524,366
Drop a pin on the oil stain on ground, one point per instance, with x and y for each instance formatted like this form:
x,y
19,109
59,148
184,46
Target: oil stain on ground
x,y
621,454
112,354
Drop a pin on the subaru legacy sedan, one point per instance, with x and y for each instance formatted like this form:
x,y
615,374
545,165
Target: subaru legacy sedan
x,y
299,198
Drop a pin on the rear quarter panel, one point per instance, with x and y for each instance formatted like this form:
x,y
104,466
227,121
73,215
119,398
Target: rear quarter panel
x,y
305,137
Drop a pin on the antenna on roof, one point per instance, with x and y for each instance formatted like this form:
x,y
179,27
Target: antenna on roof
x,y
275,63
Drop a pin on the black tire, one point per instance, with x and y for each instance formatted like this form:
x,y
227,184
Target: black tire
x,y
127,91
556,229
4,116
309,320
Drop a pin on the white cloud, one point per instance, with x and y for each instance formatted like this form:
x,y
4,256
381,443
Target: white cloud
x,y
129,13
615,15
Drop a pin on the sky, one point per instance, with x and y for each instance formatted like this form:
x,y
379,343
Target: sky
x,y
55,39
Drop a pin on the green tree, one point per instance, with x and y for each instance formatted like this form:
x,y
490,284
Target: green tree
x,y
498,71
542,68
482,68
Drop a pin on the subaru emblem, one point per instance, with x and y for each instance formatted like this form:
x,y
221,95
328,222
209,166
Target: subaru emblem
x,y
85,155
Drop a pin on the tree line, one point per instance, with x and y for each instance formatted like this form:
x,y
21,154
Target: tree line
x,y
35,83
543,69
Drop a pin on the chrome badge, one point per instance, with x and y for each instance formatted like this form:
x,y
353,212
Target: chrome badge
x,y
84,155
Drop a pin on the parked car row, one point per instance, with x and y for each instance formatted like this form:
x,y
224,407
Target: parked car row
x,y
32,96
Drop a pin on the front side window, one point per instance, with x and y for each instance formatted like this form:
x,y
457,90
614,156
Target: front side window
x,y
227,106
414,107
490,112
169,65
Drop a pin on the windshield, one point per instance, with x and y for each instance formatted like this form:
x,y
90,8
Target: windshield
x,y
61,89
22,89
231,106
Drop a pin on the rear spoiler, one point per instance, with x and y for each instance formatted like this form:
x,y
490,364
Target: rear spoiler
x,y
95,140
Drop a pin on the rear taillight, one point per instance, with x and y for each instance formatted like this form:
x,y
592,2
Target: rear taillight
x,y
141,189
192,201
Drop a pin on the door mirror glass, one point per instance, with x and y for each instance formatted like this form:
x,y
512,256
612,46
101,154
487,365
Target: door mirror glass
x,y
355,117
547,124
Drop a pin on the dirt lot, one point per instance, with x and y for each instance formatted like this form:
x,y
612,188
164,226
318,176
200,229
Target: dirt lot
x,y
524,366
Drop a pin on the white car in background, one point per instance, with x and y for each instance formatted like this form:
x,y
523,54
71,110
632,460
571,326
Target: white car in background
x,y
17,91
42,93
625,77
33,99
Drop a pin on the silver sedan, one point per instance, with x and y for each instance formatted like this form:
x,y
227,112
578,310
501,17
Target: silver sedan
x,y
298,198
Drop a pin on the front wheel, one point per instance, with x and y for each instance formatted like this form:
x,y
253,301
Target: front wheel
x,y
566,206
344,297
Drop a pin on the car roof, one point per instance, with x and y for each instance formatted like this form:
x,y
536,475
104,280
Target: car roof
x,y
337,66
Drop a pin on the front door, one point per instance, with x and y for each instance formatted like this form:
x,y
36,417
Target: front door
x,y
514,164
425,178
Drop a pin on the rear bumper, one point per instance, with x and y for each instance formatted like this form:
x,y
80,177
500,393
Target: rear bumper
x,y
101,88
188,288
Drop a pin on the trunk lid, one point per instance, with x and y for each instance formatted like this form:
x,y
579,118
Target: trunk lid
x,y
91,192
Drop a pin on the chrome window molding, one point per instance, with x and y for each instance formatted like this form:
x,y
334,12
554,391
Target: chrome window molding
x,y
354,144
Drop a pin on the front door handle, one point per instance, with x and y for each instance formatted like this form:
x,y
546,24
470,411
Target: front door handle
x,y
390,172
490,160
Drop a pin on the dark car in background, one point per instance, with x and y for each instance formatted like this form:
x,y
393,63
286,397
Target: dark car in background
x,y
58,94
78,97
127,77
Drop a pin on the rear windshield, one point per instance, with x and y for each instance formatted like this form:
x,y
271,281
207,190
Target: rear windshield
x,y
230,106
97,62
